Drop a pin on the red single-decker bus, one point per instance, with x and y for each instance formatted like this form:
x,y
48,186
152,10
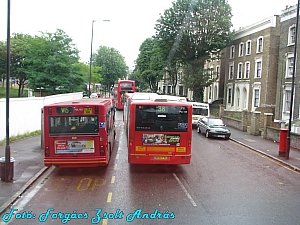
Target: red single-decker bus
x,y
159,130
79,133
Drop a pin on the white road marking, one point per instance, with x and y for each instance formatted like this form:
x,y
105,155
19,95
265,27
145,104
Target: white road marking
x,y
184,190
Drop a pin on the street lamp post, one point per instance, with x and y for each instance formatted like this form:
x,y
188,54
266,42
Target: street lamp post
x,y
287,153
8,174
91,57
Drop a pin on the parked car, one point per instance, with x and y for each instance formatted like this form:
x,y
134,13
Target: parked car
x,y
213,127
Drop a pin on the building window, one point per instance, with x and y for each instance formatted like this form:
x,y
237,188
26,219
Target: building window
x,y
211,72
241,49
229,95
258,69
259,45
180,90
169,91
217,72
209,97
231,52
231,71
287,101
247,70
289,65
240,71
256,98
292,34
248,48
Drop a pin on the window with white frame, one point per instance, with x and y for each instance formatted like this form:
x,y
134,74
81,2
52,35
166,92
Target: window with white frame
x,y
289,65
229,95
248,48
247,70
217,72
287,102
256,98
292,35
259,45
241,49
232,48
231,71
209,96
211,72
258,68
240,71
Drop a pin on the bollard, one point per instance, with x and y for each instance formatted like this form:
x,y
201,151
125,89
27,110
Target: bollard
x,y
2,168
282,141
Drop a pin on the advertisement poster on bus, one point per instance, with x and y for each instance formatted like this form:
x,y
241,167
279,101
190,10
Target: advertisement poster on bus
x,y
74,146
161,139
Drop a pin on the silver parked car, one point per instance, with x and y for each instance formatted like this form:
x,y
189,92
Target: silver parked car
x,y
213,127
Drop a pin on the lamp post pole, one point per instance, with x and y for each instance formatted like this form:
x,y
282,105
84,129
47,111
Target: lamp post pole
x,y
91,56
90,78
287,153
8,176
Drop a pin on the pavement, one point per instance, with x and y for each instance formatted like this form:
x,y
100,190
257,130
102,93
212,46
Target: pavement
x,y
28,163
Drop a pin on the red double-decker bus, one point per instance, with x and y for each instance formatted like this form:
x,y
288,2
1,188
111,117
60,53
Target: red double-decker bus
x,y
79,133
124,86
159,130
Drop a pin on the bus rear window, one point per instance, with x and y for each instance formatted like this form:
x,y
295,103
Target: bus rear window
x,y
73,124
200,111
161,118
126,84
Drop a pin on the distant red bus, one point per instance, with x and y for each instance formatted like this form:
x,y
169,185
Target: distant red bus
x,y
123,87
159,130
79,133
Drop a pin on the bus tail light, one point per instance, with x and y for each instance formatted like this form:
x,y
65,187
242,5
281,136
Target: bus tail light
x,y
189,143
130,141
47,151
96,110
49,111
101,150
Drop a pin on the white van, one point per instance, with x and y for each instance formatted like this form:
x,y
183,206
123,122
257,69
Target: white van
x,y
200,110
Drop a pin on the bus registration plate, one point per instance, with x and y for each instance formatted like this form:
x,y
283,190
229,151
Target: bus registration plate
x,y
87,111
160,157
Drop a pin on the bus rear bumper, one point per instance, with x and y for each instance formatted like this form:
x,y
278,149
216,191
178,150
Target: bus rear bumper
x,y
147,159
71,162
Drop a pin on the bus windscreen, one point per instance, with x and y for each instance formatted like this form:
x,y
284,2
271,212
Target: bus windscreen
x,y
73,124
161,118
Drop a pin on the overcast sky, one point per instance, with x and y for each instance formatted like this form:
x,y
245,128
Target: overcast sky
x,y
131,21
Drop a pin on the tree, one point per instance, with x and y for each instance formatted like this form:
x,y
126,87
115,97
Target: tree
x,y
52,59
18,48
83,70
151,63
2,62
190,31
112,65
197,78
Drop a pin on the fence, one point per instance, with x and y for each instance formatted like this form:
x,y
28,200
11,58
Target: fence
x,y
25,113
